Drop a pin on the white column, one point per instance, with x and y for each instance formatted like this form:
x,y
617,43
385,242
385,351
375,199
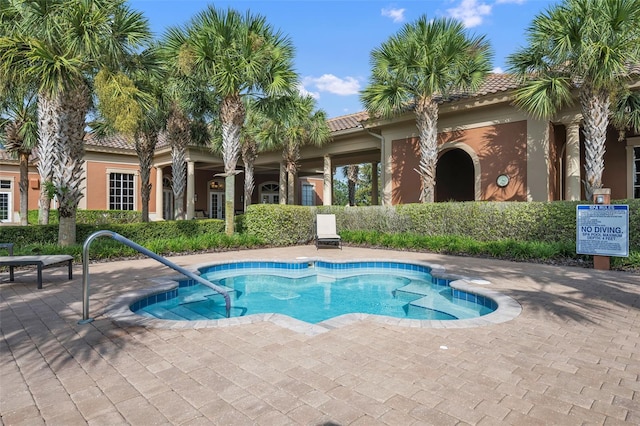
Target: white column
x,y
537,160
283,184
386,171
374,184
191,207
572,162
327,181
159,194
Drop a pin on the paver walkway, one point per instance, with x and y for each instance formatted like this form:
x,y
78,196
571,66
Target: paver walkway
x,y
571,357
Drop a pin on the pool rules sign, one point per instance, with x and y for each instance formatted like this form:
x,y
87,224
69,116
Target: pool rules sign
x,y
602,230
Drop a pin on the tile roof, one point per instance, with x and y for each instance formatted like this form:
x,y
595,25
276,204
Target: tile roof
x,y
4,155
345,122
113,141
494,83
119,141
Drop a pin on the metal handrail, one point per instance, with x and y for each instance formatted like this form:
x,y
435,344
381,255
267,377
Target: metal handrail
x,y
145,251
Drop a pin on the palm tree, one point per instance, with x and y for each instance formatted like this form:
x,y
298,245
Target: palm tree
x,y
293,122
250,147
426,61
238,56
626,113
59,45
19,135
132,103
179,135
583,45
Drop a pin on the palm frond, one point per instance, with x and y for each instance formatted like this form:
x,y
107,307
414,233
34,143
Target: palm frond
x,y
543,97
425,59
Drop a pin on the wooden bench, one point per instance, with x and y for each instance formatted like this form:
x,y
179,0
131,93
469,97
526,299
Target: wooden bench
x,y
42,262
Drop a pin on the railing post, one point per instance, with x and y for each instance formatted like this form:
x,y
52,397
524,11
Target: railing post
x,y
145,251
85,273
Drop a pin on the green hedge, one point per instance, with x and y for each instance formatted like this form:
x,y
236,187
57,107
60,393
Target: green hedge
x,y
280,225
481,221
491,221
141,233
92,217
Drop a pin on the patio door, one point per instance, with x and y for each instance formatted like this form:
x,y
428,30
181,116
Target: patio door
x,y
167,204
270,193
216,204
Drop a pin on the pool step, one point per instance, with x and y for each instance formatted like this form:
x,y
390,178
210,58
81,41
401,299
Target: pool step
x,y
211,309
459,310
202,294
413,291
159,312
426,313
439,306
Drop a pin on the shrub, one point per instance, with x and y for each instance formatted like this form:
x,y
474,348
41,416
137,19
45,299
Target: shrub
x,y
138,232
280,225
95,217
481,221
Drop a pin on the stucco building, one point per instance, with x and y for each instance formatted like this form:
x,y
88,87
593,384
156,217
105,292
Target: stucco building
x,y
488,150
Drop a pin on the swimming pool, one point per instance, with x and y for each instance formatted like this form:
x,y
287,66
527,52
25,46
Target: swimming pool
x,y
316,291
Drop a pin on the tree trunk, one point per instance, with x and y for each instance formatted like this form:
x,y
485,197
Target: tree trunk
x,y
179,179
44,204
145,195
249,155
229,205
595,112
291,187
282,185
178,127
232,114
178,206
49,126
67,230
145,146
248,186
427,122
24,188
352,178
69,169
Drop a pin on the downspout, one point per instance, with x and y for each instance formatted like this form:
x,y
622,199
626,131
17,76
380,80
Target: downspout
x,y
383,165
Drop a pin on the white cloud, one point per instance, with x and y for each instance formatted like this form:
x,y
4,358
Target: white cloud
x,y
305,92
497,70
332,84
397,15
470,12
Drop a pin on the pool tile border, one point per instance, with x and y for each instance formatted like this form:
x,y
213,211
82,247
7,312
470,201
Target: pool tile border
x,y
507,307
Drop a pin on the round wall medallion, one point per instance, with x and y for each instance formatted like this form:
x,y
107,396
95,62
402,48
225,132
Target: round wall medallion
x,y
502,181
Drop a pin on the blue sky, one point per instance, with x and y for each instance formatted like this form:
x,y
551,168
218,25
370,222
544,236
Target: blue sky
x,y
333,38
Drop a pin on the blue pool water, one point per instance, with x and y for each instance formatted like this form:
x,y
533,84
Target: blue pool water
x,y
316,291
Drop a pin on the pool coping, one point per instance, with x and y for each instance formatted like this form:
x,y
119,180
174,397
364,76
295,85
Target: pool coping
x,y
508,308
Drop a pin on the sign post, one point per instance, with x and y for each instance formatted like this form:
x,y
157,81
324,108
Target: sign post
x,y
602,230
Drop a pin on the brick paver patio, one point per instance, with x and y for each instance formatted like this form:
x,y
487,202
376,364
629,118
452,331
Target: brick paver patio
x,y
571,357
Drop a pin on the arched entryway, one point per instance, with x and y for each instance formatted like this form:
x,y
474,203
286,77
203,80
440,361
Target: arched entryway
x,y
455,176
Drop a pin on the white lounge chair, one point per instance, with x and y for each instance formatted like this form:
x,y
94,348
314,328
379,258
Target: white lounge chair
x,y
326,233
